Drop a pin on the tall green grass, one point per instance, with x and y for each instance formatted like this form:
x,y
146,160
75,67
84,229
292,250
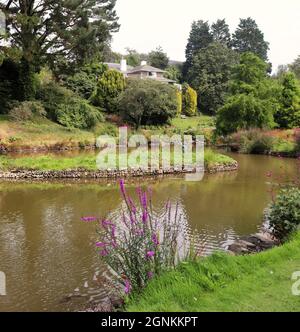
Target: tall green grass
x,y
221,282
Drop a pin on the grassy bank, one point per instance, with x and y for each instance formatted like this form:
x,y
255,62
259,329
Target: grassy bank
x,y
41,134
221,282
85,161
44,134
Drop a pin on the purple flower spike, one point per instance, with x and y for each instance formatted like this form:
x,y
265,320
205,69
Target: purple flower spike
x,y
106,223
150,275
127,287
155,239
88,219
145,217
101,245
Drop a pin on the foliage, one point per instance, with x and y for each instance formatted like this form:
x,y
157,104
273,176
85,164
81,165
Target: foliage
x,y
134,58
81,84
253,99
295,67
179,102
284,214
244,112
189,100
52,95
109,87
26,110
173,73
252,141
288,115
248,38
146,102
141,244
77,113
48,31
221,33
158,58
209,76
200,37
224,283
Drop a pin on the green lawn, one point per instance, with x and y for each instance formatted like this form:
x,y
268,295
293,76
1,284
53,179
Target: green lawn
x,y
194,122
84,161
221,282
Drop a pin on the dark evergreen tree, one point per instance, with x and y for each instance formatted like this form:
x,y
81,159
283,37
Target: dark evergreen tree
x,y
200,37
249,38
48,30
221,33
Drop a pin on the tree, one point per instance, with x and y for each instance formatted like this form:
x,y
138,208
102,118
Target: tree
x,y
249,38
200,37
109,87
221,33
134,58
288,115
189,100
148,102
209,75
158,58
173,73
253,99
295,67
43,30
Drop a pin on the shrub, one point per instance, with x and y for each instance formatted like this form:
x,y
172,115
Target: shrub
x,y
141,244
244,112
284,214
109,87
148,102
189,100
26,110
77,113
81,84
52,95
251,141
179,102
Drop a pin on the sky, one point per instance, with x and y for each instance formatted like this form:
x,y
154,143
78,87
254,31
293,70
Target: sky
x,y
147,24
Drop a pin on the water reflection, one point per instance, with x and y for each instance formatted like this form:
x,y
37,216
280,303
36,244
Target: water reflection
x,y
48,254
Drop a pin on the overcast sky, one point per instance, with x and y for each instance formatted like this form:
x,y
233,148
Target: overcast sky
x,y
146,24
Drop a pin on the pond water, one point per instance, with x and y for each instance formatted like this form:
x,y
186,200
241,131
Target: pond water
x,y
48,254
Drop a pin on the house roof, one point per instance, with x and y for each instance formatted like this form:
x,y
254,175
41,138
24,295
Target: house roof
x,y
116,66
145,68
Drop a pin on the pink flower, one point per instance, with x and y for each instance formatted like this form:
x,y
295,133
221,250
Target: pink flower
x,y
150,254
155,239
128,287
150,275
145,217
88,219
106,223
103,253
101,245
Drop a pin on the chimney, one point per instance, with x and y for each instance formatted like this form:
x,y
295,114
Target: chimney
x,y
143,63
123,66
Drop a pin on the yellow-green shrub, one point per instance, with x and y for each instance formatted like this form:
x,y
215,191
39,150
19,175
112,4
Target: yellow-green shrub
x,y
179,102
189,100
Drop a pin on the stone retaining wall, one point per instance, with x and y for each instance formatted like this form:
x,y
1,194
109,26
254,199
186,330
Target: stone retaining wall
x,y
84,174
